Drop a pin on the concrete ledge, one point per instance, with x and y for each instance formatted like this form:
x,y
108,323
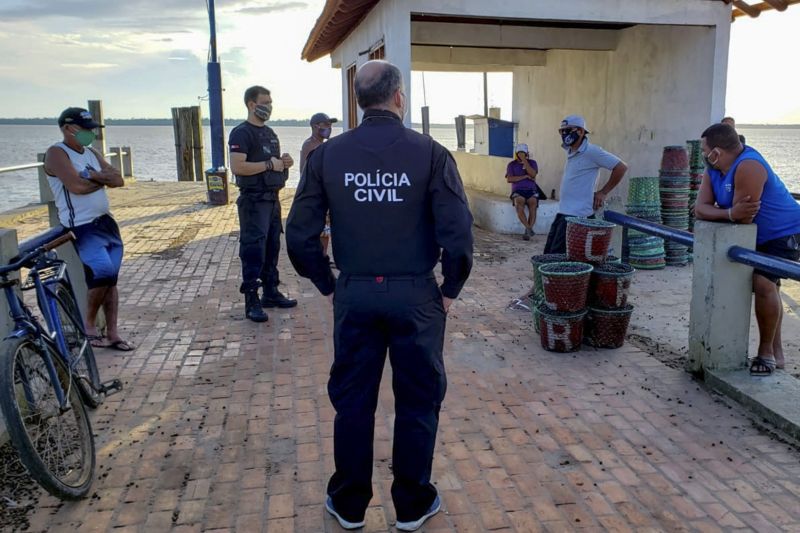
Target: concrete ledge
x,y
495,213
773,398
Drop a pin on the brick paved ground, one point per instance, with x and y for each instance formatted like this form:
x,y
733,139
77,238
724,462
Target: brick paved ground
x,y
224,425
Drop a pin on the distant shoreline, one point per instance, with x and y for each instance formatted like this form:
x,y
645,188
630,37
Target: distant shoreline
x,y
167,122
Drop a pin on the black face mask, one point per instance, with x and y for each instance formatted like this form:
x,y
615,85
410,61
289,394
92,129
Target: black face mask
x,y
569,137
263,111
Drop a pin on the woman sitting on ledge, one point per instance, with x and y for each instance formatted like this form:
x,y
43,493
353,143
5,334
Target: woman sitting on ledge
x,y
521,174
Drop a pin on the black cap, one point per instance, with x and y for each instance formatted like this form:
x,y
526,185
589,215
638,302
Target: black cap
x,y
322,117
79,117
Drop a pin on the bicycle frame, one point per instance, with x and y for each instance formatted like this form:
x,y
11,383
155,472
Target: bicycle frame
x,y
27,324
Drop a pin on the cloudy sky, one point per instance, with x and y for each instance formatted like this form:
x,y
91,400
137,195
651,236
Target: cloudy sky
x,y
142,57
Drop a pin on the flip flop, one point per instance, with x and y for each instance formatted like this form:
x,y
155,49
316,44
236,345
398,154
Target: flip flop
x,y
121,345
517,305
762,367
97,341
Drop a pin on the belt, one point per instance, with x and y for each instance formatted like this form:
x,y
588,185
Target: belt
x,y
416,279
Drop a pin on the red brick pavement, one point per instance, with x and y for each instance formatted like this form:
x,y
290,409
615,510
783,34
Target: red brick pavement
x,y
224,425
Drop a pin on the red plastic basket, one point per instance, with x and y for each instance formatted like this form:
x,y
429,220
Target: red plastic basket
x,y
566,285
610,285
560,332
588,240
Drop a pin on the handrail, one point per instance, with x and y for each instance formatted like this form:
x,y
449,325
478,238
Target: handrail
x,y
27,166
768,263
665,232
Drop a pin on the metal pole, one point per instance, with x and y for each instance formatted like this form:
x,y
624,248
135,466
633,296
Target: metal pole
x,y
216,116
485,95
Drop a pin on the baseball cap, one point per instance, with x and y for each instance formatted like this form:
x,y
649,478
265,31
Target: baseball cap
x,y
521,147
321,117
574,121
78,116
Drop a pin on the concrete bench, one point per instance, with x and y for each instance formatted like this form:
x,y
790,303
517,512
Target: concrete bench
x,y
496,213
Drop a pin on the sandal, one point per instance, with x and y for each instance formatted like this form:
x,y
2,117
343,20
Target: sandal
x,y
517,305
762,367
121,345
97,341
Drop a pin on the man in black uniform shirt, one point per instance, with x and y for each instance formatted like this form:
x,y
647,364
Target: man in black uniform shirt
x,y
396,205
261,171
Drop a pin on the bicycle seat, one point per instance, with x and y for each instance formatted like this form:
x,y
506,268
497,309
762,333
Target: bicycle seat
x,y
40,240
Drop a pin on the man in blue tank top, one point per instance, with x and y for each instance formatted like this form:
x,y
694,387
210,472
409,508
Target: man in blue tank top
x,y
397,206
741,187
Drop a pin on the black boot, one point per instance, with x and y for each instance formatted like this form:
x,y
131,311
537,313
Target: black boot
x,y
252,307
274,298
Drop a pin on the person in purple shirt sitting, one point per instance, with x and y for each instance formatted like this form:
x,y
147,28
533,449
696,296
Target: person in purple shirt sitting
x,y
521,174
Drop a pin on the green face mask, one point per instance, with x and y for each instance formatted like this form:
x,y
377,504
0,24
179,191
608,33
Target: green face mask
x,y
85,137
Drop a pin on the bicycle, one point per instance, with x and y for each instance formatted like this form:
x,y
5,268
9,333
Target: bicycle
x,y
48,374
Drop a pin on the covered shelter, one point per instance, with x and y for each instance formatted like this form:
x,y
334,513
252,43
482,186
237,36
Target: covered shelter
x,y
644,73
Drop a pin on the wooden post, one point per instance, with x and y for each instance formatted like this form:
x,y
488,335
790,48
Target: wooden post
x,y
197,142
96,109
127,162
116,159
45,192
183,144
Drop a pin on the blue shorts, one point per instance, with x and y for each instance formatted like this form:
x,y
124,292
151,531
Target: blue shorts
x,y
787,247
99,246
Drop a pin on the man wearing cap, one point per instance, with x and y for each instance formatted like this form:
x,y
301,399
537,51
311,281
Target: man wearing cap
x,y
261,171
521,174
78,176
321,127
578,197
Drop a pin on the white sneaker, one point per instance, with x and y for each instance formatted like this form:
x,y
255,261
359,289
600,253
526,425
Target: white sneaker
x,y
435,507
342,522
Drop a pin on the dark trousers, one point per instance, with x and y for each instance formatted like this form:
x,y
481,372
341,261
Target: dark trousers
x,y
557,238
404,316
259,240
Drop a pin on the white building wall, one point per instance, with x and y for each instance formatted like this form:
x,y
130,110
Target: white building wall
x,y
389,20
655,90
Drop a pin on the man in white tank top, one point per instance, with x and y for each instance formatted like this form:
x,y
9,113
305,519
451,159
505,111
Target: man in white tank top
x,y
78,176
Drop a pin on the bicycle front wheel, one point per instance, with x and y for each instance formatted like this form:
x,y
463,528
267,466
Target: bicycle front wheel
x,y
56,445
84,371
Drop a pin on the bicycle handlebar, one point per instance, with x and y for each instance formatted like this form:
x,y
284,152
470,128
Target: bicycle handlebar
x,y
35,253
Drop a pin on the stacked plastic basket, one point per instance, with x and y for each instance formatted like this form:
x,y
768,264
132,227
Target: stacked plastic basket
x,y
576,305
674,187
696,170
644,201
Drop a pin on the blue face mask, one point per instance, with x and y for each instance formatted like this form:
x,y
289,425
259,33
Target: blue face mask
x,y
569,137
325,132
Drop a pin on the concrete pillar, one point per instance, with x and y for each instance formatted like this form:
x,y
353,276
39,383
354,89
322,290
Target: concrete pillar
x,y
719,316
8,249
45,192
614,203
127,162
116,159
77,276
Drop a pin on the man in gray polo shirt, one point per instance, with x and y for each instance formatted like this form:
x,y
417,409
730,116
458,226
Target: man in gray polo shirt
x,y
578,197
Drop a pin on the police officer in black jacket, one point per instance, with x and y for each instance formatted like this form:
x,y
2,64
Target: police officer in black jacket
x,y
396,205
261,171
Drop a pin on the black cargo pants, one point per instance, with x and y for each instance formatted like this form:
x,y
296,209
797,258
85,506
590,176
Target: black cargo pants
x,y
405,316
259,239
